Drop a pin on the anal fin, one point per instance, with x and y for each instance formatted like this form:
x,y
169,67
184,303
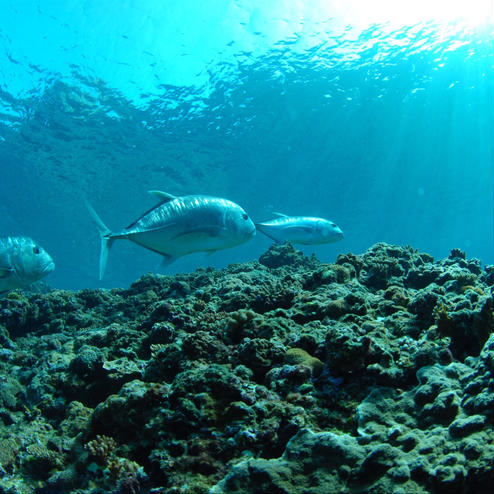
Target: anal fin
x,y
166,260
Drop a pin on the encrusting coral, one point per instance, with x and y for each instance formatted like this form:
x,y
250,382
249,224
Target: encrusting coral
x,y
372,374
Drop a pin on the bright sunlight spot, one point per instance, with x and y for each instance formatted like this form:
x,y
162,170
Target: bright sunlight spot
x,y
408,12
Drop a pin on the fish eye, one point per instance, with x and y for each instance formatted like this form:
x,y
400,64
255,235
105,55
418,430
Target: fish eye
x,y
245,216
36,250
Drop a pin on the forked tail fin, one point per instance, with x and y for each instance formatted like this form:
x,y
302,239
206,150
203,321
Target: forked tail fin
x,y
106,239
260,228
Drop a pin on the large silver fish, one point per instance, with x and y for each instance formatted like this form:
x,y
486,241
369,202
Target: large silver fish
x,y
182,225
22,262
306,230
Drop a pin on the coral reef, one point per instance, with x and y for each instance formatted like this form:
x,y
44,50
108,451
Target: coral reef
x,y
373,374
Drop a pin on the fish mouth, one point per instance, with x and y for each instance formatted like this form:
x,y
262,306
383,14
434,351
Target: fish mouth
x,y
50,267
339,233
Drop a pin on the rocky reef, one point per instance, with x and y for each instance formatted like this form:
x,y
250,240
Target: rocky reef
x,y
284,375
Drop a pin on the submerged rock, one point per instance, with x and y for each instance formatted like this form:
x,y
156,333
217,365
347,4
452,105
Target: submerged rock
x,y
372,374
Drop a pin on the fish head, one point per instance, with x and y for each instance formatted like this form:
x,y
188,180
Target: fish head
x,y
329,231
239,223
30,262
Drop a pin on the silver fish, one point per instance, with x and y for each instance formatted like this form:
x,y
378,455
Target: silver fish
x,y
22,262
306,230
178,226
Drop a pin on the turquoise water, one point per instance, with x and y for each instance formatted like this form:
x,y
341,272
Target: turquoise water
x,y
383,125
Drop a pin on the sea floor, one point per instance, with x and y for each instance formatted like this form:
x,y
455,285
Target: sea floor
x,y
281,376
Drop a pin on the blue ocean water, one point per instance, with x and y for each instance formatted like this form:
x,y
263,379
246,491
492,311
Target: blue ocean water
x,y
383,123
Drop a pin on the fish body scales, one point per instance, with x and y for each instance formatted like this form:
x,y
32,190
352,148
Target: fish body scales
x,y
178,226
22,262
305,230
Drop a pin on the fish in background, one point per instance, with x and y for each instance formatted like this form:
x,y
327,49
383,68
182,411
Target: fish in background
x,y
178,226
306,230
22,262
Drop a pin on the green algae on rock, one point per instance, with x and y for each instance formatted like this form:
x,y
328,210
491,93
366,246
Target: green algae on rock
x,y
372,374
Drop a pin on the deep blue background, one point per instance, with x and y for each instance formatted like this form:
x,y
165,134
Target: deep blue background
x,y
387,128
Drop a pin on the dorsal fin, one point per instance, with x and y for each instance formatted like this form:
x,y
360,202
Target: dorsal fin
x,y
281,215
162,196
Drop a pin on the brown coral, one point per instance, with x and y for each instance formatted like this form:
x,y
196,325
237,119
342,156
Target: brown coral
x,y
101,448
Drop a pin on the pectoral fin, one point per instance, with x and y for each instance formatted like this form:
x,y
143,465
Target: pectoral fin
x,y
299,229
199,233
